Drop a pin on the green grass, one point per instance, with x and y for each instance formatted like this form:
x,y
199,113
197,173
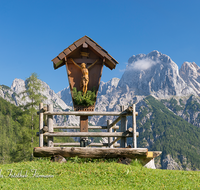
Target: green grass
x,y
89,174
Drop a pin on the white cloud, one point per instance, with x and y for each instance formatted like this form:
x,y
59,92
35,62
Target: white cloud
x,y
142,64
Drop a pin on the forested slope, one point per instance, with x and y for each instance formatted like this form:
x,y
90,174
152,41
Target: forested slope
x,y
16,133
160,129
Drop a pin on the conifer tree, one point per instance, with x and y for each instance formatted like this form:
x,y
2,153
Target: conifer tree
x,y
33,86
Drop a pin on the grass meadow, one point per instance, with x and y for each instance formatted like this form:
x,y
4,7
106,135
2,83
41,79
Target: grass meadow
x,y
92,174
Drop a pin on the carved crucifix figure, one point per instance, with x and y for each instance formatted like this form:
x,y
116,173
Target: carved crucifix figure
x,y
85,75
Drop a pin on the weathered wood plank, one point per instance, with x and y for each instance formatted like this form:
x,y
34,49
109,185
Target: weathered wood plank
x,y
55,60
78,144
62,55
41,125
123,142
97,49
134,127
88,134
67,51
115,140
50,125
83,123
72,47
89,127
115,121
84,152
110,139
79,113
79,42
91,113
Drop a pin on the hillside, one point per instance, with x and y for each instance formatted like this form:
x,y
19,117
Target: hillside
x,y
16,142
15,136
187,108
160,129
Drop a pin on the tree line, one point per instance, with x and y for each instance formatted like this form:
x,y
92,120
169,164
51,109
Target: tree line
x,y
18,125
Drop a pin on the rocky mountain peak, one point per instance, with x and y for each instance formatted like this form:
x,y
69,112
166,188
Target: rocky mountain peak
x,y
189,69
190,73
65,95
18,86
145,61
154,74
108,87
114,82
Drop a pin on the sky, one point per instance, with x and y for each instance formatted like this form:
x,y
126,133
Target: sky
x,y
34,32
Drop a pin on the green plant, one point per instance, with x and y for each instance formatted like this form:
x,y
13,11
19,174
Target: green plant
x,y
87,99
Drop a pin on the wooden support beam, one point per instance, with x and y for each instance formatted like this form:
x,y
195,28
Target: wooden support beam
x,y
84,152
78,144
88,134
83,128
123,142
110,139
41,125
79,113
50,125
89,127
134,127
83,123
115,121
114,137
115,140
128,130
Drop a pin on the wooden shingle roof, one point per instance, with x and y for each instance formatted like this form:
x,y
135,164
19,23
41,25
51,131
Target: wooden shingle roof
x,y
109,61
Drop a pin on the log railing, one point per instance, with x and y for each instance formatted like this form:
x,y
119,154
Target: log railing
x,y
47,127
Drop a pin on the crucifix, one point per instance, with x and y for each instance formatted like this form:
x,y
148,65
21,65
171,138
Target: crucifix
x,y
85,74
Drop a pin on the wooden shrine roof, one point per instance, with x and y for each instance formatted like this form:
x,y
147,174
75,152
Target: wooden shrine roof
x,y
109,61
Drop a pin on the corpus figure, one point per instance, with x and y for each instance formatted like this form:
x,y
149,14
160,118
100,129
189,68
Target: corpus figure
x,y
85,75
